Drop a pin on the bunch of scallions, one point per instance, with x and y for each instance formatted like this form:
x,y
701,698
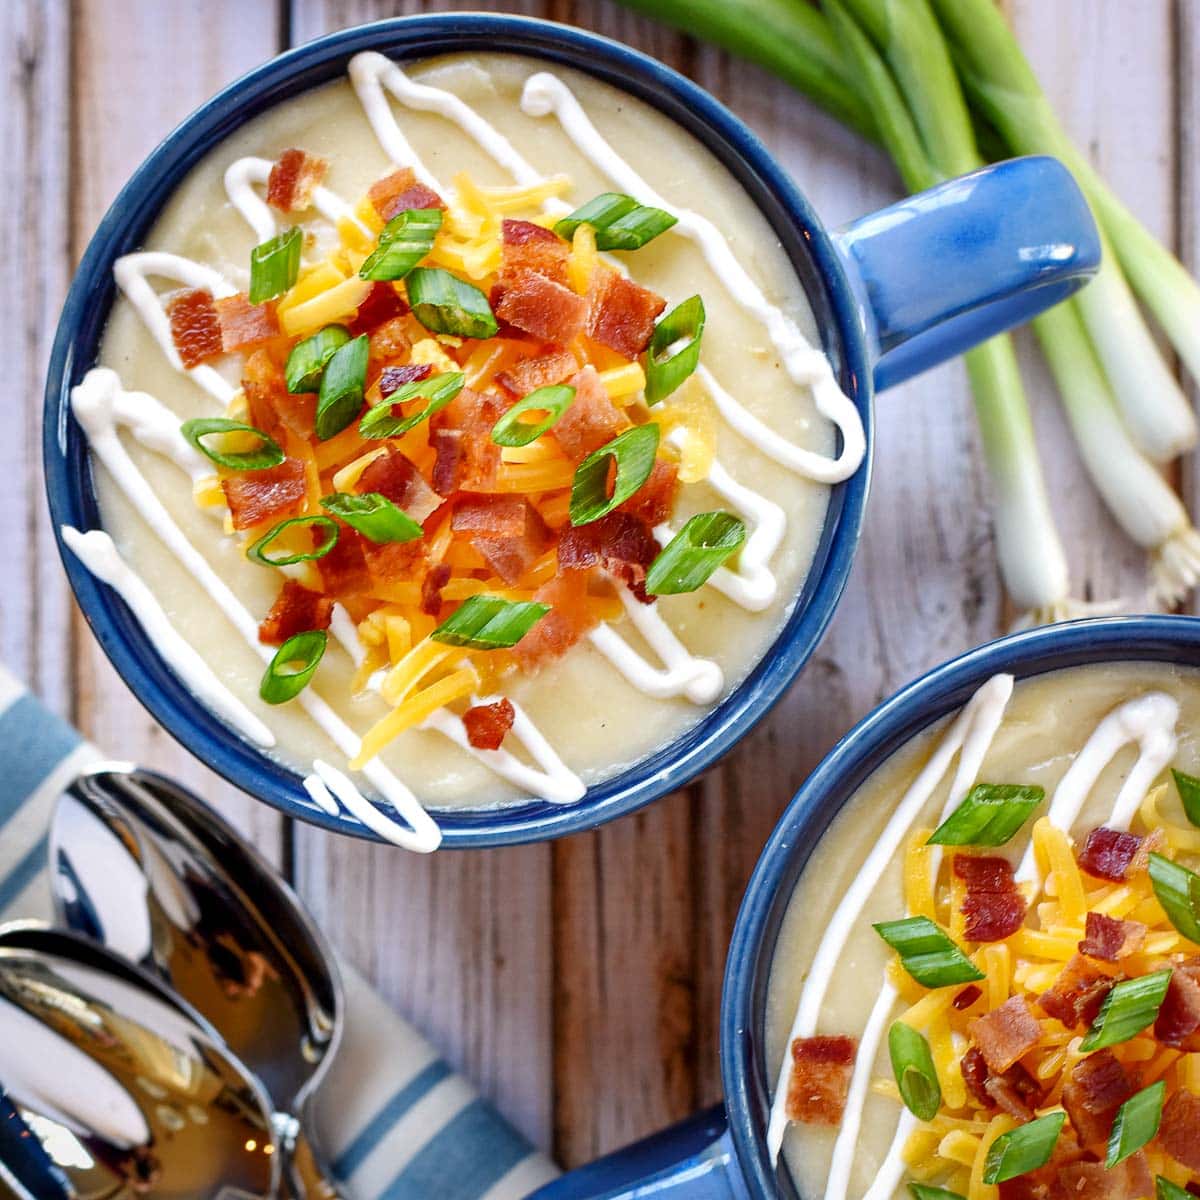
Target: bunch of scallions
x,y
943,85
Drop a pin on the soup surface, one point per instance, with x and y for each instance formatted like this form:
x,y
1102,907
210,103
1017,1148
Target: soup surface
x,y
649,671
1098,740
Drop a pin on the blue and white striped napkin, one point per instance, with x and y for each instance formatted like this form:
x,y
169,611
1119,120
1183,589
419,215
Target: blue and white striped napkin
x,y
397,1125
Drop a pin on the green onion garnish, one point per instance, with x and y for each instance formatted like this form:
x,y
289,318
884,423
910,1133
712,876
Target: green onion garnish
x,y
927,953
620,222
342,386
926,1191
1023,1149
274,265
991,815
258,552
374,516
1164,1189
1136,1123
446,304
912,1064
292,667
381,422
1129,1008
268,453
553,401
309,358
694,553
1188,787
1178,890
405,240
633,453
674,350
489,623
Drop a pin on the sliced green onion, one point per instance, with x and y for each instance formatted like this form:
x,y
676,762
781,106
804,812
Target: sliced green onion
x,y
342,387
405,240
1188,787
674,351
274,265
1129,1008
553,401
489,623
1136,1123
1178,890
381,422
620,222
1023,1149
633,453
258,552
374,516
694,553
446,304
991,815
912,1064
292,667
926,1191
267,455
927,953
307,362
1164,1189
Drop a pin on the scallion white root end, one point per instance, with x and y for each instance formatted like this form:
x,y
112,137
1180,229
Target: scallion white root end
x,y
1067,610
1175,566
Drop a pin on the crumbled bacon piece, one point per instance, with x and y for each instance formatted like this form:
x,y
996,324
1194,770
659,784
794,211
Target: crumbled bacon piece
x,y
399,191
394,378
435,579
591,421
530,247
1077,994
993,906
487,724
964,999
622,544
449,464
297,609
568,620
397,479
492,515
1130,1179
511,555
1098,1086
195,328
1153,843
1015,1090
1179,1133
344,571
621,313
1178,1020
272,494
472,415
541,371
1005,1033
654,501
295,175
1108,853
539,305
380,305
821,1069
1110,939
244,324
271,407
391,562
385,344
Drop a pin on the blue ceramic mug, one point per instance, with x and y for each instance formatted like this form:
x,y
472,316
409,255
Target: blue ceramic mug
x,y
893,294
721,1154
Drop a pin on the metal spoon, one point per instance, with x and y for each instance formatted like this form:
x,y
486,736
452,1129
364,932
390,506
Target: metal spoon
x,y
141,865
119,1093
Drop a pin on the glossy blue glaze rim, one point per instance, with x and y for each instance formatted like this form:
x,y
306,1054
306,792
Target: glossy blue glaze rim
x,y
943,690
810,248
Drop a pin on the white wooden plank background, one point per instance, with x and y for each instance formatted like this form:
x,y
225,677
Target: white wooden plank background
x,y
577,983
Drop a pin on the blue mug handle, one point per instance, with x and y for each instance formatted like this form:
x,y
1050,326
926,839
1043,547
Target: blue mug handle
x,y
946,269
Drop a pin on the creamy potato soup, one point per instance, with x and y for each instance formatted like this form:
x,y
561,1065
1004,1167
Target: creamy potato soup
x,y
462,435
1012,1008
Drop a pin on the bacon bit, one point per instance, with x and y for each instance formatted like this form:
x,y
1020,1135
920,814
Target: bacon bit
x,y
1110,939
273,494
391,562
435,579
821,1069
244,324
1179,1133
1005,1033
530,247
1178,1021
591,421
495,516
1077,993
1153,843
510,556
1098,1086
539,305
399,191
654,501
472,414
1130,1179
195,328
394,378
532,373
272,408
1108,853
486,724
964,999
449,465
385,344
994,908
381,304
297,609
1015,1091
294,177
344,571
395,477
569,618
622,544
621,313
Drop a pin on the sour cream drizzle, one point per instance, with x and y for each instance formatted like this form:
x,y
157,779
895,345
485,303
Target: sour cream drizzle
x,y
245,175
